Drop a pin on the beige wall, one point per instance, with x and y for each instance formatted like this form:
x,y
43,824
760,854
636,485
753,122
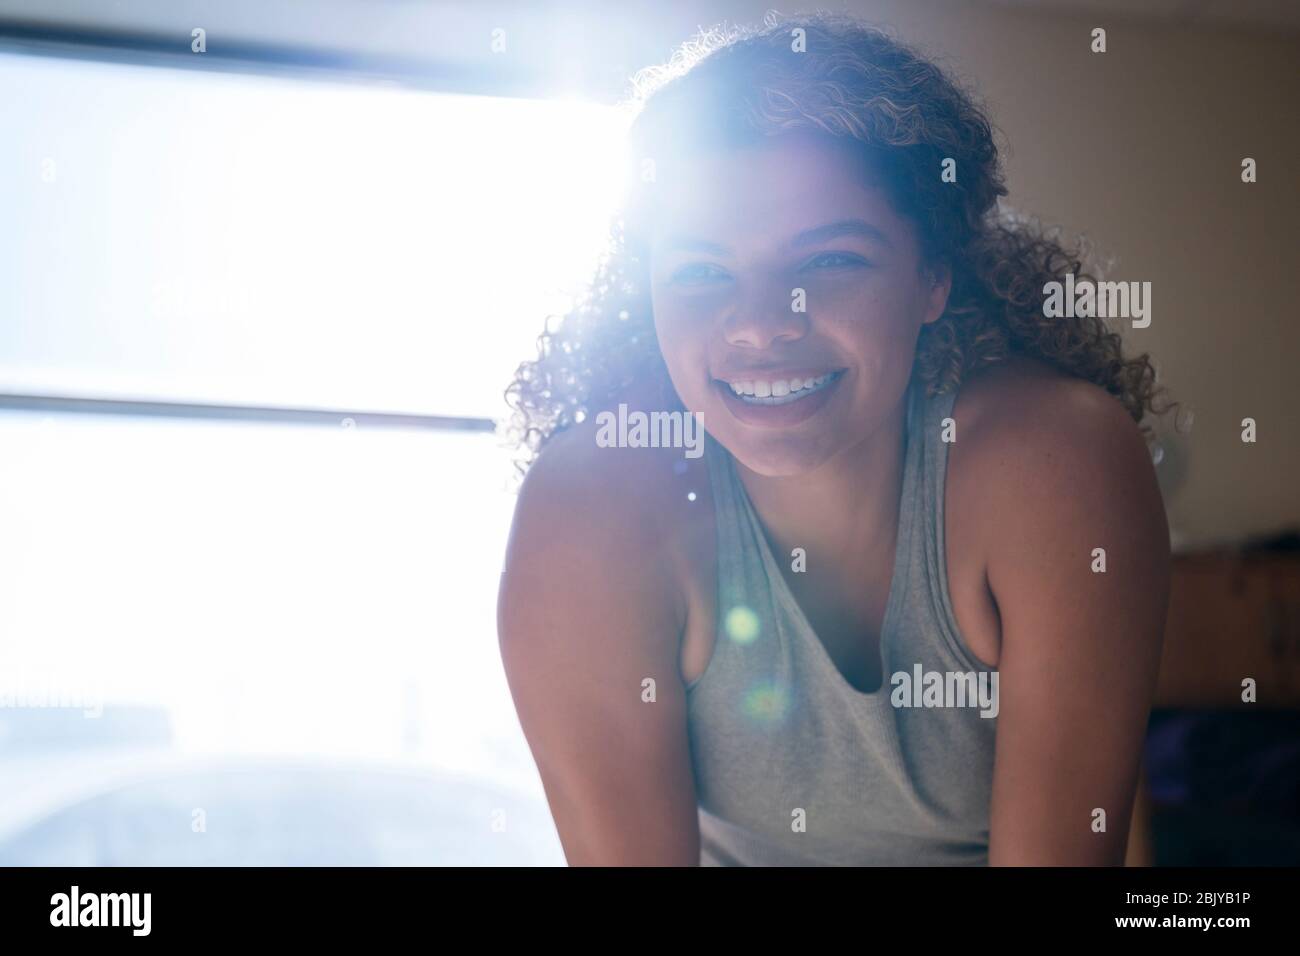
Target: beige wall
x,y
1140,149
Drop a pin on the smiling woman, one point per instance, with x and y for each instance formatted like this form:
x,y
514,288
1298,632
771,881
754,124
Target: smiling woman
x,y
887,404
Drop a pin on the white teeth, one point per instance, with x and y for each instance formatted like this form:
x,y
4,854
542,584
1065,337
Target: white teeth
x,y
780,392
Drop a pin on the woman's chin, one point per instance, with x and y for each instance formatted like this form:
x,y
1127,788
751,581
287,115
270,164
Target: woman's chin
x,y
779,456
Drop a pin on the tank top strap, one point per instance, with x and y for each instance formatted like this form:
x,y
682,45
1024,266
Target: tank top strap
x,y
939,430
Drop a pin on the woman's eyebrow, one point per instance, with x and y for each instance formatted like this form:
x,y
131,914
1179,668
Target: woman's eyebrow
x,y
691,244
809,237
842,227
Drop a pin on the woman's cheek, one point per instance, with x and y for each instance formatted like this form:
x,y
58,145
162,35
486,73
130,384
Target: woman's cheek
x,y
872,317
684,322
684,348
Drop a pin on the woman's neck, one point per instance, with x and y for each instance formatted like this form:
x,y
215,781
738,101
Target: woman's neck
x,y
844,515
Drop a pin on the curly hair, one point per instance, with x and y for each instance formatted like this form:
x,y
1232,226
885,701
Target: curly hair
x,y
737,84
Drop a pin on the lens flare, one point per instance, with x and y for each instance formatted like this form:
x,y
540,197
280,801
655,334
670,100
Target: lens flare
x,y
766,703
742,625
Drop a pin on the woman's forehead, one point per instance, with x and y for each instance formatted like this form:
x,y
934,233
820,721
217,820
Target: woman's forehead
x,y
774,189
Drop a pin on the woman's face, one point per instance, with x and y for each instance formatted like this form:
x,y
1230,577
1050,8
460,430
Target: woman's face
x,y
788,296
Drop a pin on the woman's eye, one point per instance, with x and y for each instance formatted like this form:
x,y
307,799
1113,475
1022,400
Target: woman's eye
x,y
697,274
836,260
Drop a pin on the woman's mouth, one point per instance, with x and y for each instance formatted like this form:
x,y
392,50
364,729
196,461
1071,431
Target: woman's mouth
x,y
781,391
779,400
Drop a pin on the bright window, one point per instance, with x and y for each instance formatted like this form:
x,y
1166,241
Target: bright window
x,y
230,238
246,598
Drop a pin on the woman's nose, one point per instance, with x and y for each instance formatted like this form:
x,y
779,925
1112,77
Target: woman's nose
x,y
764,317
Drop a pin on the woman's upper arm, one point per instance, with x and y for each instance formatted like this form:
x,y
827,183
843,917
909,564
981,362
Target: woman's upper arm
x,y
586,620
1070,486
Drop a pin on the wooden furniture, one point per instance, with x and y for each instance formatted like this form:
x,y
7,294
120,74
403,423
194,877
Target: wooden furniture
x,y
1233,616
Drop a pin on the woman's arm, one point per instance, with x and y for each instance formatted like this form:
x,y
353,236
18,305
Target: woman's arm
x,y
1066,472
588,612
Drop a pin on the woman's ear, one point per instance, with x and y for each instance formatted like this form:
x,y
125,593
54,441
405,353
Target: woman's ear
x,y
939,280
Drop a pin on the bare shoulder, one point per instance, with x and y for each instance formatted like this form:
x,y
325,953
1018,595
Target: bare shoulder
x,y
1041,450
1022,398
582,493
604,531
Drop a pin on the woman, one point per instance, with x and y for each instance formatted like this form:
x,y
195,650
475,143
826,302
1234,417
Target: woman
x,y
906,608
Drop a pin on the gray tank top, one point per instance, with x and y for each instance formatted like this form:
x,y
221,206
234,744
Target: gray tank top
x,y
796,767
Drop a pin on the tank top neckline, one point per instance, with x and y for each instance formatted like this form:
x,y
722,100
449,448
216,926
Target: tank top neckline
x,y
807,634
